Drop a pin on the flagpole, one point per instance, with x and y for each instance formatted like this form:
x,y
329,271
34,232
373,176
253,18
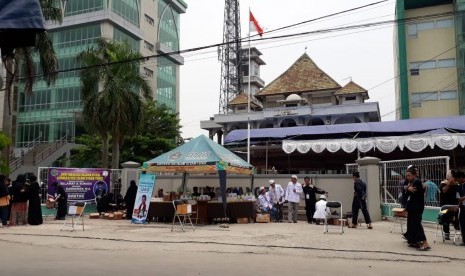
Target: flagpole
x,y
248,103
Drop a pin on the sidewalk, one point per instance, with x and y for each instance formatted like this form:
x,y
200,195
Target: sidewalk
x,y
295,238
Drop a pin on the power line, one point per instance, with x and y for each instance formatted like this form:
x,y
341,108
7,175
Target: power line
x,y
321,31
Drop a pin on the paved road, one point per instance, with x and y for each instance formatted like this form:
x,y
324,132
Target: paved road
x,y
118,248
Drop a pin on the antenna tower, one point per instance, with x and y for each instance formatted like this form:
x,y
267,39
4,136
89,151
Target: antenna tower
x,y
230,55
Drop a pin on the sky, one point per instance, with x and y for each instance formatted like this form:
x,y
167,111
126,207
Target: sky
x,y
364,55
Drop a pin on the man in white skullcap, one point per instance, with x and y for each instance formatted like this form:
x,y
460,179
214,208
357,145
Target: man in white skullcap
x,y
276,194
293,193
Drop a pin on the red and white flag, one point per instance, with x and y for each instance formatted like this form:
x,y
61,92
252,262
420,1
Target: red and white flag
x,y
253,25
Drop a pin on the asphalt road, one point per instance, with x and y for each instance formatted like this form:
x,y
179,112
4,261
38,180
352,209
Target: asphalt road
x,y
253,249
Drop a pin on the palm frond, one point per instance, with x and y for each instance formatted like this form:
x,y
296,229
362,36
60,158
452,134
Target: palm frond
x,y
48,59
51,10
28,67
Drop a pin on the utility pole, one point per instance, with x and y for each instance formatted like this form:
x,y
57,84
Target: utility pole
x,y
230,55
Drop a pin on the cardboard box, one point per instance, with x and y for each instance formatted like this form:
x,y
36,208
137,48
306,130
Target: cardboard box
x,y
166,197
263,218
94,215
184,209
118,215
399,212
242,220
339,221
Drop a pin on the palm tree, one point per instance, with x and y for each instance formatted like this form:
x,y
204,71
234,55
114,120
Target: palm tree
x,y
47,61
111,82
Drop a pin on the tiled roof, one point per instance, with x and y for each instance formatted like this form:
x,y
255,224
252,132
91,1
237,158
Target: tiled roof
x,y
242,99
351,88
303,76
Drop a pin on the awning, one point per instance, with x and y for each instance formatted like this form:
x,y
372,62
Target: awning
x,y
389,128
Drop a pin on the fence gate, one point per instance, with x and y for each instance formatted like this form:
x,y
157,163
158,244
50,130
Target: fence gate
x,y
431,171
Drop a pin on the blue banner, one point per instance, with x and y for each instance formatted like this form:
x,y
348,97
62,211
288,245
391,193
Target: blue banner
x,y
144,194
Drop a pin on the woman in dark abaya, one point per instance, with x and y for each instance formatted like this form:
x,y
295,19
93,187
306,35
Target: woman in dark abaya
x,y
130,199
19,203
34,215
415,195
61,199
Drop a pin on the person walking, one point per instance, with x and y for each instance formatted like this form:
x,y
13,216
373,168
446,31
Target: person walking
x,y
4,201
61,198
276,194
34,214
310,192
293,193
130,199
460,179
415,194
19,206
360,201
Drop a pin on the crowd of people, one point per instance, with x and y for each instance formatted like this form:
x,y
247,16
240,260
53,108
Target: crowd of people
x,y
271,201
20,201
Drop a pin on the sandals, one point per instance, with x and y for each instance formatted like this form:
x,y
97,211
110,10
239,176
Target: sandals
x,y
424,246
370,227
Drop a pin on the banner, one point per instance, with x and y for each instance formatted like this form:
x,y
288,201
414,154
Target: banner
x,y
79,184
144,194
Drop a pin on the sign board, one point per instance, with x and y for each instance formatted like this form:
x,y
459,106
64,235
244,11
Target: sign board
x,y
144,194
79,184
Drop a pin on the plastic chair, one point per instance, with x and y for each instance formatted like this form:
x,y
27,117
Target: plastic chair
x,y
333,205
75,212
443,220
399,215
181,216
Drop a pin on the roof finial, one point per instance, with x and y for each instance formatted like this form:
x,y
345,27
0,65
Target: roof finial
x,y
348,78
306,48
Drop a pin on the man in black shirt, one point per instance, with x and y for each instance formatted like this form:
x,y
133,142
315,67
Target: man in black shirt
x,y
310,192
460,179
449,189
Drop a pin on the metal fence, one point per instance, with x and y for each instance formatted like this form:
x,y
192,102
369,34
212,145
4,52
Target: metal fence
x,y
42,172
431,171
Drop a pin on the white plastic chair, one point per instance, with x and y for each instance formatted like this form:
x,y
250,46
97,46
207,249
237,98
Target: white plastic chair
x,y
181,216
75,212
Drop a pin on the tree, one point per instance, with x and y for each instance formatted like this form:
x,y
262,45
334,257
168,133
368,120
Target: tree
x,y
159,134
113,91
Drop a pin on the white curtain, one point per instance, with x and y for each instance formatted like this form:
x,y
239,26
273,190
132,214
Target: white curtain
x,y
415,143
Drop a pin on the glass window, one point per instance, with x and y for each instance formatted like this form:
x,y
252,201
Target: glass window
x,y
148,72
149,19
412,30
351,98
448,95
425,26
128,9
423,65
445,23
446,63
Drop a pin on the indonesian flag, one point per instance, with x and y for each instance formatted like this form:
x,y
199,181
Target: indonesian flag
x,y
253,25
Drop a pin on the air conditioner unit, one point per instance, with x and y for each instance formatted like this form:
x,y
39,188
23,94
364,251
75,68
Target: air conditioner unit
x,y
328,122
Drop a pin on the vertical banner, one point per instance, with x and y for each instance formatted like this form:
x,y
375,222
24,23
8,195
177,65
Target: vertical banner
x,y
79,184
144,194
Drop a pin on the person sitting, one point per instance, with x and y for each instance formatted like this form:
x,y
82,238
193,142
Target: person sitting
x,y
320,210
196,191
265,205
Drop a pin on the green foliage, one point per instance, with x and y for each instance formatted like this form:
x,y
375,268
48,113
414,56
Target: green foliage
x,y
4,140
159,121
87,156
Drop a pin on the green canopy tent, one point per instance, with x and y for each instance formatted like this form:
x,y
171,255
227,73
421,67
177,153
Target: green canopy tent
x,y
200,155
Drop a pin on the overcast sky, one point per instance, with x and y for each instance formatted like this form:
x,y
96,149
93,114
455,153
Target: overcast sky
x,y
365,55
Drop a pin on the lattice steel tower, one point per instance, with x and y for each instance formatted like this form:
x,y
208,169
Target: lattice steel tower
x,y
230,55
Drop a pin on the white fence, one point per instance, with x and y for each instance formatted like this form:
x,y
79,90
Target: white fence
x,y
431,171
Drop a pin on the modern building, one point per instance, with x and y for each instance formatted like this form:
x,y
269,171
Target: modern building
x,y
429,58
151,27
304,95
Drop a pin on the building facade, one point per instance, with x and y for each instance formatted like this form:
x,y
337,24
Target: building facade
x,y
429,64
150,27
304,95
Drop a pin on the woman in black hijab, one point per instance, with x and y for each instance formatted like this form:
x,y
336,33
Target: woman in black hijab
x,y
62,201
130,199
19,206
34,214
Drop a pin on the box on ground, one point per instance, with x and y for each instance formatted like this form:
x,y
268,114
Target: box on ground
x,y
263,218
184,209
94,215
243,220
